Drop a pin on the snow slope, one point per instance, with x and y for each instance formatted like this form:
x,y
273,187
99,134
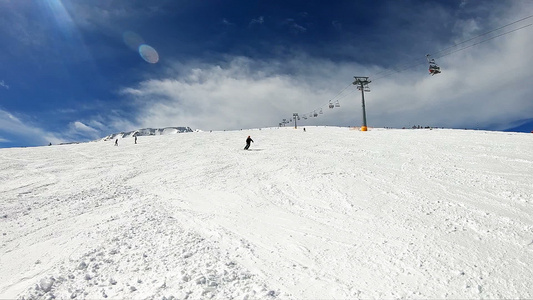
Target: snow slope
x,y
328,213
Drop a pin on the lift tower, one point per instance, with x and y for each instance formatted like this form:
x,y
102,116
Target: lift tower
x,y
362,85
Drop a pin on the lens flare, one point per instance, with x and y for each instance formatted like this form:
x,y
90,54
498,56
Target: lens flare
x,y
132,39
148,53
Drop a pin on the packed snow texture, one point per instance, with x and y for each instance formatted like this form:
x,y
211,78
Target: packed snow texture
x,y
328,213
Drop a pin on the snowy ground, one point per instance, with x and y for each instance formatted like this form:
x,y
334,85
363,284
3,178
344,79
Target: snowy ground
x,y
328,213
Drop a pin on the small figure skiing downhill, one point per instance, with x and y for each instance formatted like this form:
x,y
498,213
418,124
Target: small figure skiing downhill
x,y
248,140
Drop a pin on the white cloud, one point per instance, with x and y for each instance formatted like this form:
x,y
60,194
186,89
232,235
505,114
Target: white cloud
x,y
294,27
215,97
11,125
80,127
102,124
95,128
337,25
4,85
257,21
226,22
90,14
19,130
97,124
486,85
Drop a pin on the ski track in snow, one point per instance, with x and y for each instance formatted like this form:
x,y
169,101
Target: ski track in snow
x,y
329,213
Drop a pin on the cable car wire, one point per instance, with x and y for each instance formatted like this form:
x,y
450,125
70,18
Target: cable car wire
x,y
483,41
483,34
435,54
451,52
406,66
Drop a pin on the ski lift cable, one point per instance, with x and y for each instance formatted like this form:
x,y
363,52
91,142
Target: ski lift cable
x,y
462,42
483,41
335,98
446,54
349,94
340,92
332,99
338,97
483,34
392,72
408,66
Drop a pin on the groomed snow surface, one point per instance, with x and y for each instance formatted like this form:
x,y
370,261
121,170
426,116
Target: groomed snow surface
x,y
329,213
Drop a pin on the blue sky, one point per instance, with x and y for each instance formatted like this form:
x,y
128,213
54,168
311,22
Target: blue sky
x,y
72,71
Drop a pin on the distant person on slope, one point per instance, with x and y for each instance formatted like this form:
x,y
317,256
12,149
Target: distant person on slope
x,y
248,140
116,142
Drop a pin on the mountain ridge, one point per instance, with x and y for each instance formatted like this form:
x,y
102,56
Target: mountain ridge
x,y
147,132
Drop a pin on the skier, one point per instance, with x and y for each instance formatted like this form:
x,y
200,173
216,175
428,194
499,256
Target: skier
x,y
135,139
248,140
116,142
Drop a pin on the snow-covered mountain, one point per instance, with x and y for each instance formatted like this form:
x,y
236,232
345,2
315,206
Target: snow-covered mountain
x,y
148,132
330,213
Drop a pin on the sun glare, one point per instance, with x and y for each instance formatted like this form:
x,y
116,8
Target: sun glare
x,y
61,17
148,53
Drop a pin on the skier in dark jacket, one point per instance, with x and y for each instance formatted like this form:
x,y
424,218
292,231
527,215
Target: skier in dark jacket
x,y
248,140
